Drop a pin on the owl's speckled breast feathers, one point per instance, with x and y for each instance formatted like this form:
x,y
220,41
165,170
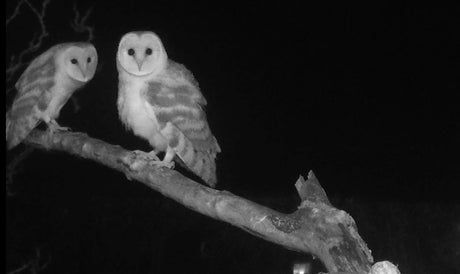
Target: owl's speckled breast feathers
x,y
165,106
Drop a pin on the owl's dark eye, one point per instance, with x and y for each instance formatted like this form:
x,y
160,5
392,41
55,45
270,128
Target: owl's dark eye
x,y
130,52
73,61
88,60
148,51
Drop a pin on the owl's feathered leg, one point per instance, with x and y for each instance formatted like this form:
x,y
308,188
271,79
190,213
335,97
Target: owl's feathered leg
x,y
169,156
142,158
166,162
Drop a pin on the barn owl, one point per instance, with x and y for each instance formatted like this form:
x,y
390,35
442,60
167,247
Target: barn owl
x,y
46,85
159,100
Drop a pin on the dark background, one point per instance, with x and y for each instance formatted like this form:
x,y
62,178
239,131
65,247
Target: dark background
x,y
364,94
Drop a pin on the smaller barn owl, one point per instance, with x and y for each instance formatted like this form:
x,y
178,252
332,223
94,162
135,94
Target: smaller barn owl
x,y
46,85
159,100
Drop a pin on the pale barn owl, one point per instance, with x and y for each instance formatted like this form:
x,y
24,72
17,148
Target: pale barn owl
x,y
159,100
46,85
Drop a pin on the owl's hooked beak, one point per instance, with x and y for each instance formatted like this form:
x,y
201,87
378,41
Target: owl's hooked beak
x,y
83,74
139,63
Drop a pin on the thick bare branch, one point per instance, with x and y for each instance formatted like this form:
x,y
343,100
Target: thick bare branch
x,y
315,227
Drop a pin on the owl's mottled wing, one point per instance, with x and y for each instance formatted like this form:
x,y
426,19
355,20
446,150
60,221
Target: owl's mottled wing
x,y
42,67
32,98
178,107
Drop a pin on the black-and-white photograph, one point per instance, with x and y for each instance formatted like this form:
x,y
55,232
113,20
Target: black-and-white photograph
x,y
225,137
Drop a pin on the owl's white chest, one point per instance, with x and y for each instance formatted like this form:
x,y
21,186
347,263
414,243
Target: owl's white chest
x,y
58,95
136,115
58,100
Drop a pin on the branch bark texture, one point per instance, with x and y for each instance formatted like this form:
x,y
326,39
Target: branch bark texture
x,y
315,227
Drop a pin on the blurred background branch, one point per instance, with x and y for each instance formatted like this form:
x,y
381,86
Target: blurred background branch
x,y
79,23
17,62
34,265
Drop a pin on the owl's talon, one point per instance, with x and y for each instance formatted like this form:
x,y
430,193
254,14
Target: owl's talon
x,y
169,165
146,156
61,129
139,159
53,126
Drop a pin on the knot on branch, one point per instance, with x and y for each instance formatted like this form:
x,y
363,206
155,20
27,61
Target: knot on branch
x,y
310,190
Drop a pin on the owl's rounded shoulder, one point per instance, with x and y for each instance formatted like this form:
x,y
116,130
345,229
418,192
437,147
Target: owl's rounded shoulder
x,y
180,71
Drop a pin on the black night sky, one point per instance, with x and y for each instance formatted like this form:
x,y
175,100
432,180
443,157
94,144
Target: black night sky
x,y
363,94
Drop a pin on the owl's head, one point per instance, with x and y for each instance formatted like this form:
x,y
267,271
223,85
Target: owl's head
x,y
79,61
141,53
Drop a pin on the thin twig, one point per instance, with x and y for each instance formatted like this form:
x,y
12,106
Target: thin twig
x,y
17,62
15,13
79,23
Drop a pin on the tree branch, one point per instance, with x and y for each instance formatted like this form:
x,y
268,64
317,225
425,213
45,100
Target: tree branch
x,y
315,227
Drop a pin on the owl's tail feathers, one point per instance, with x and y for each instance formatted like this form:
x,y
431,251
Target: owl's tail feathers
x,y
8,123
10,143
205,167
18,129
200,162
196,147
208,171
